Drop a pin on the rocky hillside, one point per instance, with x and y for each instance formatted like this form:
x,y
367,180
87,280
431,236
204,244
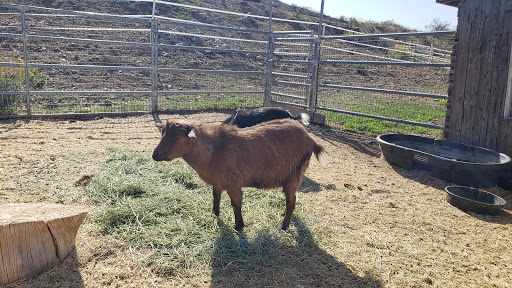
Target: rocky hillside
x,y
252,7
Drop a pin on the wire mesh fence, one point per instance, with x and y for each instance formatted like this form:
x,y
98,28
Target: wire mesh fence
x,y
394,76
210,66
98,63
292,68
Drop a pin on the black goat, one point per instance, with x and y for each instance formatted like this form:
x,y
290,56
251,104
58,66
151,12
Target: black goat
x,y
247,118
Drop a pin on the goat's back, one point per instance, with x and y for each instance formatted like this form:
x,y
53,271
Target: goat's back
x,y
261,156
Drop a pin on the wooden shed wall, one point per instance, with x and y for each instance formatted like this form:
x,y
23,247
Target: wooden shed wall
x,y
480,64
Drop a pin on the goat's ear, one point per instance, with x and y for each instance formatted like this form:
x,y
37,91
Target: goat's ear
x,y
191,133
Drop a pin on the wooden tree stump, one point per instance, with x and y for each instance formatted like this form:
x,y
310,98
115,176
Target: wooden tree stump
x,y
35,237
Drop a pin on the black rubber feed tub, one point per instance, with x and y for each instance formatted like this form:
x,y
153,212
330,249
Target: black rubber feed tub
x,y
454,162
475,200
506,180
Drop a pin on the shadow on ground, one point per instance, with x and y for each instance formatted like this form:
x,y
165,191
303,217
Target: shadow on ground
x,y
308,185
267,261
65,274
421,175
362,142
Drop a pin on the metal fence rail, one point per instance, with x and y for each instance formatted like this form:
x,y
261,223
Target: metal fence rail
x,y
387,77
55,62
124,63
410,86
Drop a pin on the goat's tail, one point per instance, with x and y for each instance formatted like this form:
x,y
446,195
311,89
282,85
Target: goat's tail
x,y
303,118
321,155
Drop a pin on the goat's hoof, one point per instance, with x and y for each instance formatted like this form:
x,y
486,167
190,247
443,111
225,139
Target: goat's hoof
x,y
216,213
238,229
282,227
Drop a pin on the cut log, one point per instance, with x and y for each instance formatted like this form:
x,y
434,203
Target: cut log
x,y
35,237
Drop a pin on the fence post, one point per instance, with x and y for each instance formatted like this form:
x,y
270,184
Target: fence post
x,y
268,73
314,77
154,65
316,56
25,62
321,19
311,57
431,52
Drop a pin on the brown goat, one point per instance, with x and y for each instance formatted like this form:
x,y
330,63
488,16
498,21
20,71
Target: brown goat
x,y
268,155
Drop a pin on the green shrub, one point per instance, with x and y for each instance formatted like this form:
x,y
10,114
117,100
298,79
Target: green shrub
x,y
362,69
402,52
12,79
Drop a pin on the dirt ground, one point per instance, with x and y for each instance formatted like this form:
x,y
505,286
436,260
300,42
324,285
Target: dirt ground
x,y
391,223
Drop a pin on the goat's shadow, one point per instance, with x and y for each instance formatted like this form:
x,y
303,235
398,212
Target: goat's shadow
x,y
267,261
308,185
359,141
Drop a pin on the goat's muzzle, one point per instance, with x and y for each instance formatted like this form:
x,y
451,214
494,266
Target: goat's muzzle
x,y
157,157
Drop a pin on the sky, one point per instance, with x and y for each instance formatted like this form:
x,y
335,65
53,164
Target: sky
x,y
414,14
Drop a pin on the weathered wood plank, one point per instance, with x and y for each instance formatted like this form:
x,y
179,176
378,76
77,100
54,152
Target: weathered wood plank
x,y
486,98
470,98
460,71
482,55
505,139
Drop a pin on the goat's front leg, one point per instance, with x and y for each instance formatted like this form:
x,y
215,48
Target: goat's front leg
x,y
216,201
236,203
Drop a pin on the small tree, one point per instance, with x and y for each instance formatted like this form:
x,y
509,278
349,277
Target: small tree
x,y
438,25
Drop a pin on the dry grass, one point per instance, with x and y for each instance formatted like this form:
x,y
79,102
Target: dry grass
x,y
359,223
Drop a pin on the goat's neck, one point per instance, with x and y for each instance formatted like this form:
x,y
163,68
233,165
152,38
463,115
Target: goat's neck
x,y
200,155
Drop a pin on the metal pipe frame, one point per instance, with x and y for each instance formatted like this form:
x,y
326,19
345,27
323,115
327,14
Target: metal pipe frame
x,y
74,39
388,91
290,75
75,13
291,83
154,63
270,55
207,49
192,92
130,68
365,36
225,12
379,117
382,48
211,71
405,63
288,96
393,40
312,41
141,92
289,103
314,76
25,62
78,92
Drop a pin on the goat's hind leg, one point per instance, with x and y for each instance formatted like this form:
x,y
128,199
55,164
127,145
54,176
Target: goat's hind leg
x,y
236,203
290,189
